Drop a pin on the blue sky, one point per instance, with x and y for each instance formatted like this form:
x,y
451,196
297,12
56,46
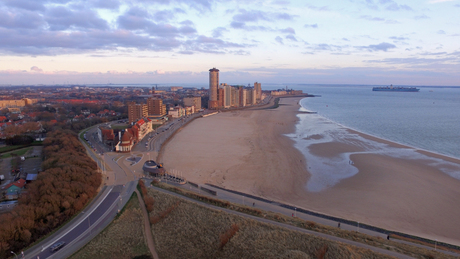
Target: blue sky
x,y
177,41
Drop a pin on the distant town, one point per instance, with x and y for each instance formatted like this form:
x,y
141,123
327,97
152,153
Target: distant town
x,y
35,110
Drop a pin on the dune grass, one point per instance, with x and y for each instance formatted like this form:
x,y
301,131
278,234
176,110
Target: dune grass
x,y
123,238
194,231
410,250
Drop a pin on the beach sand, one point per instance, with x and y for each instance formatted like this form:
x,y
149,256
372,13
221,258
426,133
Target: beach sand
x,y
247,151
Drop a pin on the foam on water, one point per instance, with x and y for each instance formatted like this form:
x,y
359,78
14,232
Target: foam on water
x,y
326,172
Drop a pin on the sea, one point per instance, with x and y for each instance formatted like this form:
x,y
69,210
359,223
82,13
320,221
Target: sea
x,y
427,120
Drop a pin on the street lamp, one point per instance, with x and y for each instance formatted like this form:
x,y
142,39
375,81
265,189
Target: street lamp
x,y
14,254
295,212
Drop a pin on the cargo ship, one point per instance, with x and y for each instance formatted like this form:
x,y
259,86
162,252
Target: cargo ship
x,y
395,89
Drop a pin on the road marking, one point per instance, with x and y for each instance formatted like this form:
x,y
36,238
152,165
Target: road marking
x,y
75,225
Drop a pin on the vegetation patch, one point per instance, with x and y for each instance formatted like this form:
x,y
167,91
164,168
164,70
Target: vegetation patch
x,y
119,126
194,231
10,148
68,182
227,235
19,152
148,200
410,250
123,238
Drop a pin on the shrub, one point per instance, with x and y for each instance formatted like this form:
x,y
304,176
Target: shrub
x,y
310,224
227,235
149,202
321,252
163,214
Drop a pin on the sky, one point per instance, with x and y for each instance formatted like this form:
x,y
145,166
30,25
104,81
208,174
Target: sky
x,y
376,42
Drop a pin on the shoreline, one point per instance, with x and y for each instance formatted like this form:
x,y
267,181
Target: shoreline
x,y
250,151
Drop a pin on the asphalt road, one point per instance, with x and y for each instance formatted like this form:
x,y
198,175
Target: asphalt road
x,y
87,224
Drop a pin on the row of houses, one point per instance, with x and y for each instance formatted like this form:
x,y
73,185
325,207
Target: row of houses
x,y
124,140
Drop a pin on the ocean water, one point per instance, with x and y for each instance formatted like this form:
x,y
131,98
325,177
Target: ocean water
x,y
428,120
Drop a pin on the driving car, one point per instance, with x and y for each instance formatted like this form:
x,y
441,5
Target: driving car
x,y
56,246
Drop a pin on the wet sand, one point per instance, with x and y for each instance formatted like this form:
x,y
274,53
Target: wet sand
x,y
248,151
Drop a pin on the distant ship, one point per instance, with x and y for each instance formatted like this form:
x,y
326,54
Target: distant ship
x,y
395,89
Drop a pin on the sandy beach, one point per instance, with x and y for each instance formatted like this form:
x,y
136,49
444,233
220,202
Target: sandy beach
x,y
249,151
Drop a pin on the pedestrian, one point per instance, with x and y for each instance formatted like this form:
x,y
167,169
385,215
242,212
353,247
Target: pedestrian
x,y
293,214
388,237
338,225
253,204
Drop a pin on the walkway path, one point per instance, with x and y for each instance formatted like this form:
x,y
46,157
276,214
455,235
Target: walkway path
x,y
148,230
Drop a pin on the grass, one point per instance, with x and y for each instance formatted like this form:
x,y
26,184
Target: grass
x,y
119,127
123,238
194,231
350,235
18,152
9,148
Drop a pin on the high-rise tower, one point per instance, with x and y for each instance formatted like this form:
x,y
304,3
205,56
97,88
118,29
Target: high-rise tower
x,y
213,85
258,89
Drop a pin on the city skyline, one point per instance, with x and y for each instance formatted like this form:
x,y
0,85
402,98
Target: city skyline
x,y
158,42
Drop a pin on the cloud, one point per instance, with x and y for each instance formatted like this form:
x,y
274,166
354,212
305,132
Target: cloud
x,y
251,16
316,8
20,19
218,32
388,5
291,37
240,20
206,44
370,18
421,17
36,69
279,40
62,18
26,5
441,32
200,5
378,19
439,1
106,4
384,46
55,42
137,19
325,47
281,2
315,26
167,15
288,30
399,38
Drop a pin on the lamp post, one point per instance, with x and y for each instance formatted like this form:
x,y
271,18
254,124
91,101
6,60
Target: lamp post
x,y
295,212
14,254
